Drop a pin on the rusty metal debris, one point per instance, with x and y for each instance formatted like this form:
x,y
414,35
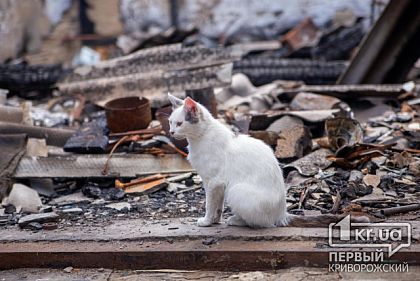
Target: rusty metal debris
x,y
293,143
128,114
305,34
119,184
120,141
152,131
312,163
167,141
146,188
343,131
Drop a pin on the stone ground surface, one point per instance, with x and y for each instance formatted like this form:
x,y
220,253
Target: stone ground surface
x,y
292,274
177,228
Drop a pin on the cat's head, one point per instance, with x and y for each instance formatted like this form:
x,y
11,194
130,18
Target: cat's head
x,y
187,118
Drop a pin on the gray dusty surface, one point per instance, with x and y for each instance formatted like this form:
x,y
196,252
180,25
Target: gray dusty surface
x,y
293,274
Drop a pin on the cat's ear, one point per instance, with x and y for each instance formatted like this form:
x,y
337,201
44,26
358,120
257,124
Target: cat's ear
x,y
191,110
176,102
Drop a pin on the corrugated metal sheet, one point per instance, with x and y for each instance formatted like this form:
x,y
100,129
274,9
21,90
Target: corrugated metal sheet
x,y
152,83
82,166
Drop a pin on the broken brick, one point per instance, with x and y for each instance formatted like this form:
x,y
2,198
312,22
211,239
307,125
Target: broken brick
x,y
293,143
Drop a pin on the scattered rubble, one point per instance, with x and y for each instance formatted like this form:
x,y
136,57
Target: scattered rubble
x,y
119,206
309,101
68,269
36,147
88,144
39,218
293,143
284,123
343,131
72,211
209,241
312,163
94,190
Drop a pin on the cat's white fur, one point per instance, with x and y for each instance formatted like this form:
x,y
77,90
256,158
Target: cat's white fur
x,y
238,169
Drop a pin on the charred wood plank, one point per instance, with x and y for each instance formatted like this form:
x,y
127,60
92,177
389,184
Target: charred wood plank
x,y
22,78
183,255
338,44
90,138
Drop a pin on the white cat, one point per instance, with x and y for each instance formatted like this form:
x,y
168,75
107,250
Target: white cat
x,y
238,169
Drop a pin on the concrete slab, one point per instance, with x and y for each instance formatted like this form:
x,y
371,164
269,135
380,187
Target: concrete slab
x,y
175,228
178,228
30,274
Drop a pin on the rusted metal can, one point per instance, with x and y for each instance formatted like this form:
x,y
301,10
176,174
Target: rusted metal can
x,y
128,114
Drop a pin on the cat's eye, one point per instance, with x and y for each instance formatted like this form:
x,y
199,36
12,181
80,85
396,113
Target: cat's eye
x,y
178,124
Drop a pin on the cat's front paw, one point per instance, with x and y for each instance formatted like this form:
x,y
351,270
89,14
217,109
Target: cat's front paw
x,y
204,222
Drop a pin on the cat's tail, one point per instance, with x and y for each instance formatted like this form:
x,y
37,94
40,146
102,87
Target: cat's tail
x,y
318,221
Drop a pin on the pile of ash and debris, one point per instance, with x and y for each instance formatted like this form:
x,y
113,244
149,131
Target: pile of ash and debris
x,y
88,144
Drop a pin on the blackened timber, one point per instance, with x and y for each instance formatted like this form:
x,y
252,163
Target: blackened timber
x,y
90,138
23,78
225,255
263,70
339,43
